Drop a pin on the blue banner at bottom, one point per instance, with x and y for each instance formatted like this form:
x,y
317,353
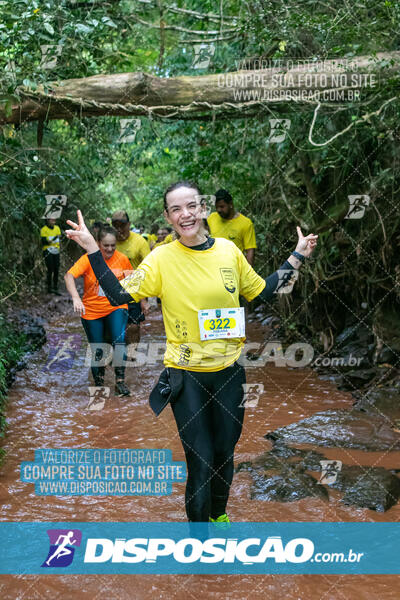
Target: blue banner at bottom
x,y
208,548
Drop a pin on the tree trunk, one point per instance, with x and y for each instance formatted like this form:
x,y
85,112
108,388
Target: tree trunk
x,y
235,94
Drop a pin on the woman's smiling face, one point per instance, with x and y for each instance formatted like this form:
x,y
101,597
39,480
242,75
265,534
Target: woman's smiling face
x,y
107,245
184,213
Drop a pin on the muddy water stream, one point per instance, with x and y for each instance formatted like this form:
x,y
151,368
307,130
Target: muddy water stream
x,y
48,409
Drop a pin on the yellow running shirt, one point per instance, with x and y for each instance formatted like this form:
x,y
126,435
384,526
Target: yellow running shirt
x,y
152,238
188,281
135,248
239,230
168,239
52,238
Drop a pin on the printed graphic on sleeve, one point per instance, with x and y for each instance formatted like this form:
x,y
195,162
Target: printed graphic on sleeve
x,y
61,551
133,282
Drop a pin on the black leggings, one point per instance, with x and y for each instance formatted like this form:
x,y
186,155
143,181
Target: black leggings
x,y
209,417
52,262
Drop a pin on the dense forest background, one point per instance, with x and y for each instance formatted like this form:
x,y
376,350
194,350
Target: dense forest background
x,y
355,271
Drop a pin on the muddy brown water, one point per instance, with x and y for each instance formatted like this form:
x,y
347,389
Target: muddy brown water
x,y
49,410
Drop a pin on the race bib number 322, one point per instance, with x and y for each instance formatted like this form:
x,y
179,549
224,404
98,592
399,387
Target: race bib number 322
x,y
216,323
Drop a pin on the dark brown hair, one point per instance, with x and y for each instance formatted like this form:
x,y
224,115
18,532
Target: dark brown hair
x,y
179,184
105,230
223,195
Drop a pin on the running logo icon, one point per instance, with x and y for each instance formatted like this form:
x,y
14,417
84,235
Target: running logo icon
x,y
251,394
128,130
287,279
357,206
279,129
63,349
207,203
54,206
98,397
61,551
203,54
330,469
50,54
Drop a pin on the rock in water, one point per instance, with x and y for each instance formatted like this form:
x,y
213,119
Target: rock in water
x,y
380,401
342,429
375,488
279,476
287,486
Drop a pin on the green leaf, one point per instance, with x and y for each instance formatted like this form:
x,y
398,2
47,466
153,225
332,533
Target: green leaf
x,y
48,27
8,108
80,27
107,21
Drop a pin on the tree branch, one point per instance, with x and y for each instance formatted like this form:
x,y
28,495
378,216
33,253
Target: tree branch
x,y
177,28
339,133
236,93
189,13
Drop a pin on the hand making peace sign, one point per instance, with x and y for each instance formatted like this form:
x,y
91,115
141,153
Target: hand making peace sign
x,y
306,245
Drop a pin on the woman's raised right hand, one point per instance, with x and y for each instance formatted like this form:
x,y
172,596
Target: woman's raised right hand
x,y
81,234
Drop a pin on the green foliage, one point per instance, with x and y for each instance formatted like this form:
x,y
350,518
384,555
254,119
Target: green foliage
x,y
277,185
12,348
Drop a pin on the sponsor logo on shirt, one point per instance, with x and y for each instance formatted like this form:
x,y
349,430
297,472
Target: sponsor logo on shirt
x,y
228,279
185,354
181,329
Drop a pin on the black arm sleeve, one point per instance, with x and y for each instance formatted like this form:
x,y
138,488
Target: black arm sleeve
x,y
112,288
272,283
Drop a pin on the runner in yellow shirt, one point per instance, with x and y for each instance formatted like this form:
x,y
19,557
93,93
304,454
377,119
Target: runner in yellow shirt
x,y
151,237
50,237
226,222
198,279
136,248
164,236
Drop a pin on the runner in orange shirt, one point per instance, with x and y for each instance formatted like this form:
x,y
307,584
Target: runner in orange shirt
x,y
96,311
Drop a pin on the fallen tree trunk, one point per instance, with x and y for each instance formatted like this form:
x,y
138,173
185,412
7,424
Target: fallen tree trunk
x,y
235,94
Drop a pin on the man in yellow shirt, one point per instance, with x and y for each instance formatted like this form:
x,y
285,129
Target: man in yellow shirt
x,y
50,237
136,248
226,222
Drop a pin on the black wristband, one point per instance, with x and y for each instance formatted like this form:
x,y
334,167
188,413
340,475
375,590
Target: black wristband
x,y
299,256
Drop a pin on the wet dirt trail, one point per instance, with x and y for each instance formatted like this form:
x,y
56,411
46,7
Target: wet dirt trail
x,y
48,409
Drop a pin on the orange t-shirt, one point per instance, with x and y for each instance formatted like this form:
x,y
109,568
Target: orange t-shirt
x,y
94,299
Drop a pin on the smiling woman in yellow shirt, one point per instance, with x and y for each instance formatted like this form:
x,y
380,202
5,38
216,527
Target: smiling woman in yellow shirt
x,y
198,279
